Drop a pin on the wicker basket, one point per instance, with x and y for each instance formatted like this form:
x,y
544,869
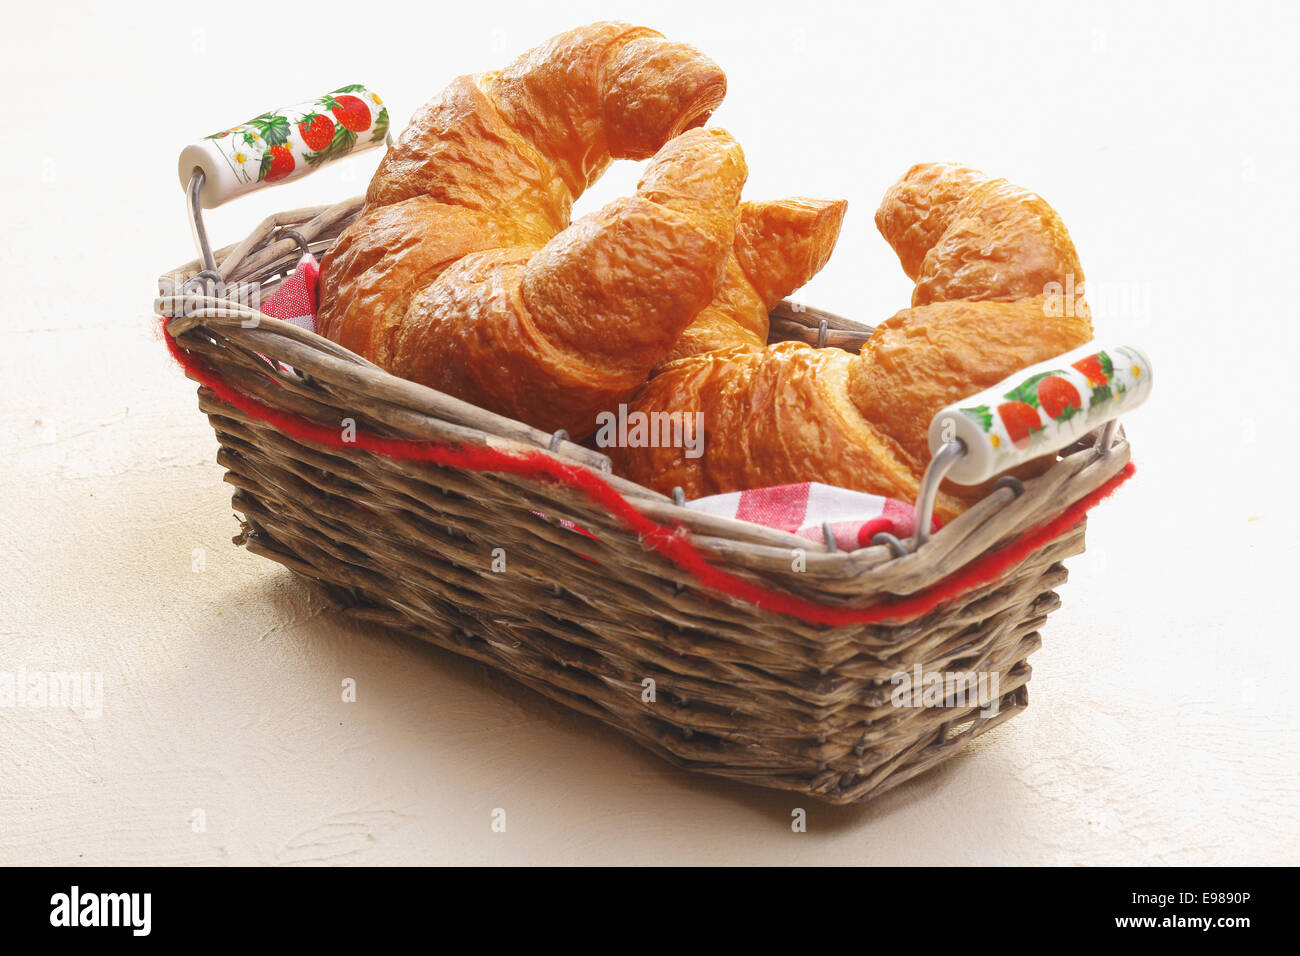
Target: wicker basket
x,y
797,701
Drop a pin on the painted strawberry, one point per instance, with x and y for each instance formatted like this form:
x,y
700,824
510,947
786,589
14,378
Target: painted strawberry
x,y
351,112
1096,368
277,164
1059,399
317,130
1021,421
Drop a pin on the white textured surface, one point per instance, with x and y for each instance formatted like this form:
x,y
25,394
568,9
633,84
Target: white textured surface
x,y
1163,719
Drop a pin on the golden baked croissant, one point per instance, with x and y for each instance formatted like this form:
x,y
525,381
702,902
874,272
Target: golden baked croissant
x,y
981,252
779,246
463,272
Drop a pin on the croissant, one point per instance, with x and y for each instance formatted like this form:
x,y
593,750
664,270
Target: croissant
x,y
779,246
982,253
463,271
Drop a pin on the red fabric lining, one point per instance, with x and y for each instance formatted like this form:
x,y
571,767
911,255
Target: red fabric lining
x,y
672,542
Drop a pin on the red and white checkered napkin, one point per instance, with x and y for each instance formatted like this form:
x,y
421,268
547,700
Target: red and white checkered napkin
x,y
854,517
295,300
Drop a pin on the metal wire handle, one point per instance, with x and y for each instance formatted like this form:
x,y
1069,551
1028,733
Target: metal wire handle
x,y
197,228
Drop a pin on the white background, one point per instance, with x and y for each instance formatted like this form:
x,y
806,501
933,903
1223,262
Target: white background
x,y
1163,718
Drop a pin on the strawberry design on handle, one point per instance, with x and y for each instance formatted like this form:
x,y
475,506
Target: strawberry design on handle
x,y
1041,409
1059,399
981,415
317,130
1021,421
1097,369
271,127
353,117
277,164
1027,391
281,144
351,111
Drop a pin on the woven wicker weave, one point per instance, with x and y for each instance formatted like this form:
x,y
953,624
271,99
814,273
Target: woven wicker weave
x,y
739,691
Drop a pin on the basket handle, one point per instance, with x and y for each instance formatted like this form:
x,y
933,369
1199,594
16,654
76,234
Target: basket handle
x,y
1035,412
283,144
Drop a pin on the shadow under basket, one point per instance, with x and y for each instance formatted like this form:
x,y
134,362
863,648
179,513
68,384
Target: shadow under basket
x,y
601,621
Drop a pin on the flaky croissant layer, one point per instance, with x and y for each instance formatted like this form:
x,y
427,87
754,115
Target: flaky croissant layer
x,y
779,246
557,334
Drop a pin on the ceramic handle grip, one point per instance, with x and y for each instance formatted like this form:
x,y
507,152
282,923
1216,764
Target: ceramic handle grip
x,y
1041,409
284,144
